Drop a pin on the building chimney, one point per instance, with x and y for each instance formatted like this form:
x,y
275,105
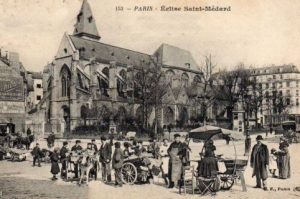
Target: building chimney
x,y
14,60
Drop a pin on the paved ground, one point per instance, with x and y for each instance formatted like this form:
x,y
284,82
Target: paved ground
x,y
19,180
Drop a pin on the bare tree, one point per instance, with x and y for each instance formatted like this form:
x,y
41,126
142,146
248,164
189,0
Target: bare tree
x,y
150,88
206,95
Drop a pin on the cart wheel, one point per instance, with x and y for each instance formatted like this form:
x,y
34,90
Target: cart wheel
x,y
129,173
226,181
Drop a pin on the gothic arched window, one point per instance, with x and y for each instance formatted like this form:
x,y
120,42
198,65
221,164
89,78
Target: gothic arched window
x,y
103,86
184,80
65,81
169,77
121,83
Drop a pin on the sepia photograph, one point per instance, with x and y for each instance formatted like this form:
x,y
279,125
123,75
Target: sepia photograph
x,y
149,99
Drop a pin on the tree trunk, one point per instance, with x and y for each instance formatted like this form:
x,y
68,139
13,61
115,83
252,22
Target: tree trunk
x,y
256,118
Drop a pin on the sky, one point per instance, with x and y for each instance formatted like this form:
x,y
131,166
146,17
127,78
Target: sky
x,y
257,33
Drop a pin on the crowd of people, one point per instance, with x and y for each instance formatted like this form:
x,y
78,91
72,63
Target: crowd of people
x,y
111,155
173,157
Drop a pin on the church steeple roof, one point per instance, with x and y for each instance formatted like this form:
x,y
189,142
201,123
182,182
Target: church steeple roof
x,y
85,25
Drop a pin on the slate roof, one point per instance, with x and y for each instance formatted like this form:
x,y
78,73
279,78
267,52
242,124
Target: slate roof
x,y
36,75
105,52
275,69
177,57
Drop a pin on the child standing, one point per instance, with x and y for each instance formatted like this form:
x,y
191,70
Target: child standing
x,y
117,162
54,157
273,162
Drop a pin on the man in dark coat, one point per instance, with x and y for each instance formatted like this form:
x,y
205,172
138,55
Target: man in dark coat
x,y
51,140
63,159
77,149
175,162
117,162
37,154
105,159
28,131
259,162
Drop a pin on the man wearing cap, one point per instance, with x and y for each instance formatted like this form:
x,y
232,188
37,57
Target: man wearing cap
x,y
259,162
77,149
63,159
105,159
175,162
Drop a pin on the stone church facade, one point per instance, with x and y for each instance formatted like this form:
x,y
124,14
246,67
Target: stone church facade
x,y
90,82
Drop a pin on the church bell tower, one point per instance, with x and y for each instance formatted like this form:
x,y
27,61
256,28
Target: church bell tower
x,y
85,26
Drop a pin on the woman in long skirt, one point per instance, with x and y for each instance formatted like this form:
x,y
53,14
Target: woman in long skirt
x,y
283,160
54,163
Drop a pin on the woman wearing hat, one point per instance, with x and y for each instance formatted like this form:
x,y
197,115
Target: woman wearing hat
x,y
54,157
209,163
259,161
283,160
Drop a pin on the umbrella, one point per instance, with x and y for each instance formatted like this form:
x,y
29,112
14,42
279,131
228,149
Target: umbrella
x,y
206,132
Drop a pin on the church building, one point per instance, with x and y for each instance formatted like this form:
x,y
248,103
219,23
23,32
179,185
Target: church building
x,y
90,83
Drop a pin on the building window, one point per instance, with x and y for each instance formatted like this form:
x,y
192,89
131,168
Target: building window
x,y
288,92
297,102
184,80
79,17
287,84
274,76
297,93
297,83
281,76
188,65
90,19
80,80
65,81
267,94
38,97
267,85
169,76
280,84
288,101
280,93
103,86
39,85
273,85
121,83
